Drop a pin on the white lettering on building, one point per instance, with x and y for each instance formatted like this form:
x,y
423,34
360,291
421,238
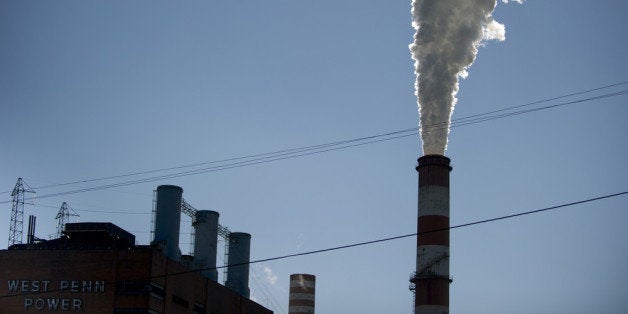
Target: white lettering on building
x,y
53,304
62,286
28,285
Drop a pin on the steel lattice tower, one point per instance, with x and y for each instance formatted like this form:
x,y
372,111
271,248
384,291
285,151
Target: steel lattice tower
x,y
63,217
17,211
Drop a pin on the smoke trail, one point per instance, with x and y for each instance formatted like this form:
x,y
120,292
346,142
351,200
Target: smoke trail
x,y
448,34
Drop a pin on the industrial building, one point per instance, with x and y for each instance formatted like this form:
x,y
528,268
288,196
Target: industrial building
x,y
96,267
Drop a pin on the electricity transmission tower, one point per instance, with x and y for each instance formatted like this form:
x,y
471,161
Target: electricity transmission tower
x,y
17,211
63,217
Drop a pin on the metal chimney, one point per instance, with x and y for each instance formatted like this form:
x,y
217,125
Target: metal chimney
x,y
168,220
302,294
431,279
205,242
239,254
32,221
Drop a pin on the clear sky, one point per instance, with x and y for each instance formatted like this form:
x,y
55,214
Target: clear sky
x,y
90,89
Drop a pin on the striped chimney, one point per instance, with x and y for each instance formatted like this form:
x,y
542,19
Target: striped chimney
x,y
302,291
431,279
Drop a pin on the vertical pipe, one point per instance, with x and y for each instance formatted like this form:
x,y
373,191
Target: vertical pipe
x,y
32,220
432,278
302,294
239,254
205,242
168,220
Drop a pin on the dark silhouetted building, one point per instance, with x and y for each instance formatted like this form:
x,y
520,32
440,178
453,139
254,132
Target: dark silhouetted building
x,y
97,268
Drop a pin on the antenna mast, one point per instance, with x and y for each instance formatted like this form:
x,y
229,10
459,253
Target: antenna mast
x,y
17,211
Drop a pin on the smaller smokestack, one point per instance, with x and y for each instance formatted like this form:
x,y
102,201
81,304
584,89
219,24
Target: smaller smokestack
x,y
302,294
205,242
30,238
239,257
168,220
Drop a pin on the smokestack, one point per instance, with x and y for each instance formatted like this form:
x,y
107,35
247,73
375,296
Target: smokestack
x,y
30,238
431,279
168,220
302,294
205,242
239,254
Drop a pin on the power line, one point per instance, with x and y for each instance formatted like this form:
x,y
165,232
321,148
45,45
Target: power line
x,y
262,287
546,100
100,211
472,119
274,153
342,247
441,229
504,115
318,149
256,156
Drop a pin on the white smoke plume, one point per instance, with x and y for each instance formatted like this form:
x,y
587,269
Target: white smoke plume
x,y
448,34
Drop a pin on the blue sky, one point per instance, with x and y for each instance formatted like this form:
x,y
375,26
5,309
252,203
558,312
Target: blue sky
x,y
102,88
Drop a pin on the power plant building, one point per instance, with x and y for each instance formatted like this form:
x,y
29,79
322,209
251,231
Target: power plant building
x,y
97,268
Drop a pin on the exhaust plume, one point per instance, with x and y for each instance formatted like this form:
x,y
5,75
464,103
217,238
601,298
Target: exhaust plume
x,y
448,34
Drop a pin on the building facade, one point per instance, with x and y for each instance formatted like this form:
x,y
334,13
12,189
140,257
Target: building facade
x,y
95,268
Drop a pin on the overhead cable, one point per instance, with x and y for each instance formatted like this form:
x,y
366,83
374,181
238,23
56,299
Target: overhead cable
x,y
472,119
323,148
358,244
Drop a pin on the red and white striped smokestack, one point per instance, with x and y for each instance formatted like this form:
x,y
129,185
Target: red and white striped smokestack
x,y
302,294
431,280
